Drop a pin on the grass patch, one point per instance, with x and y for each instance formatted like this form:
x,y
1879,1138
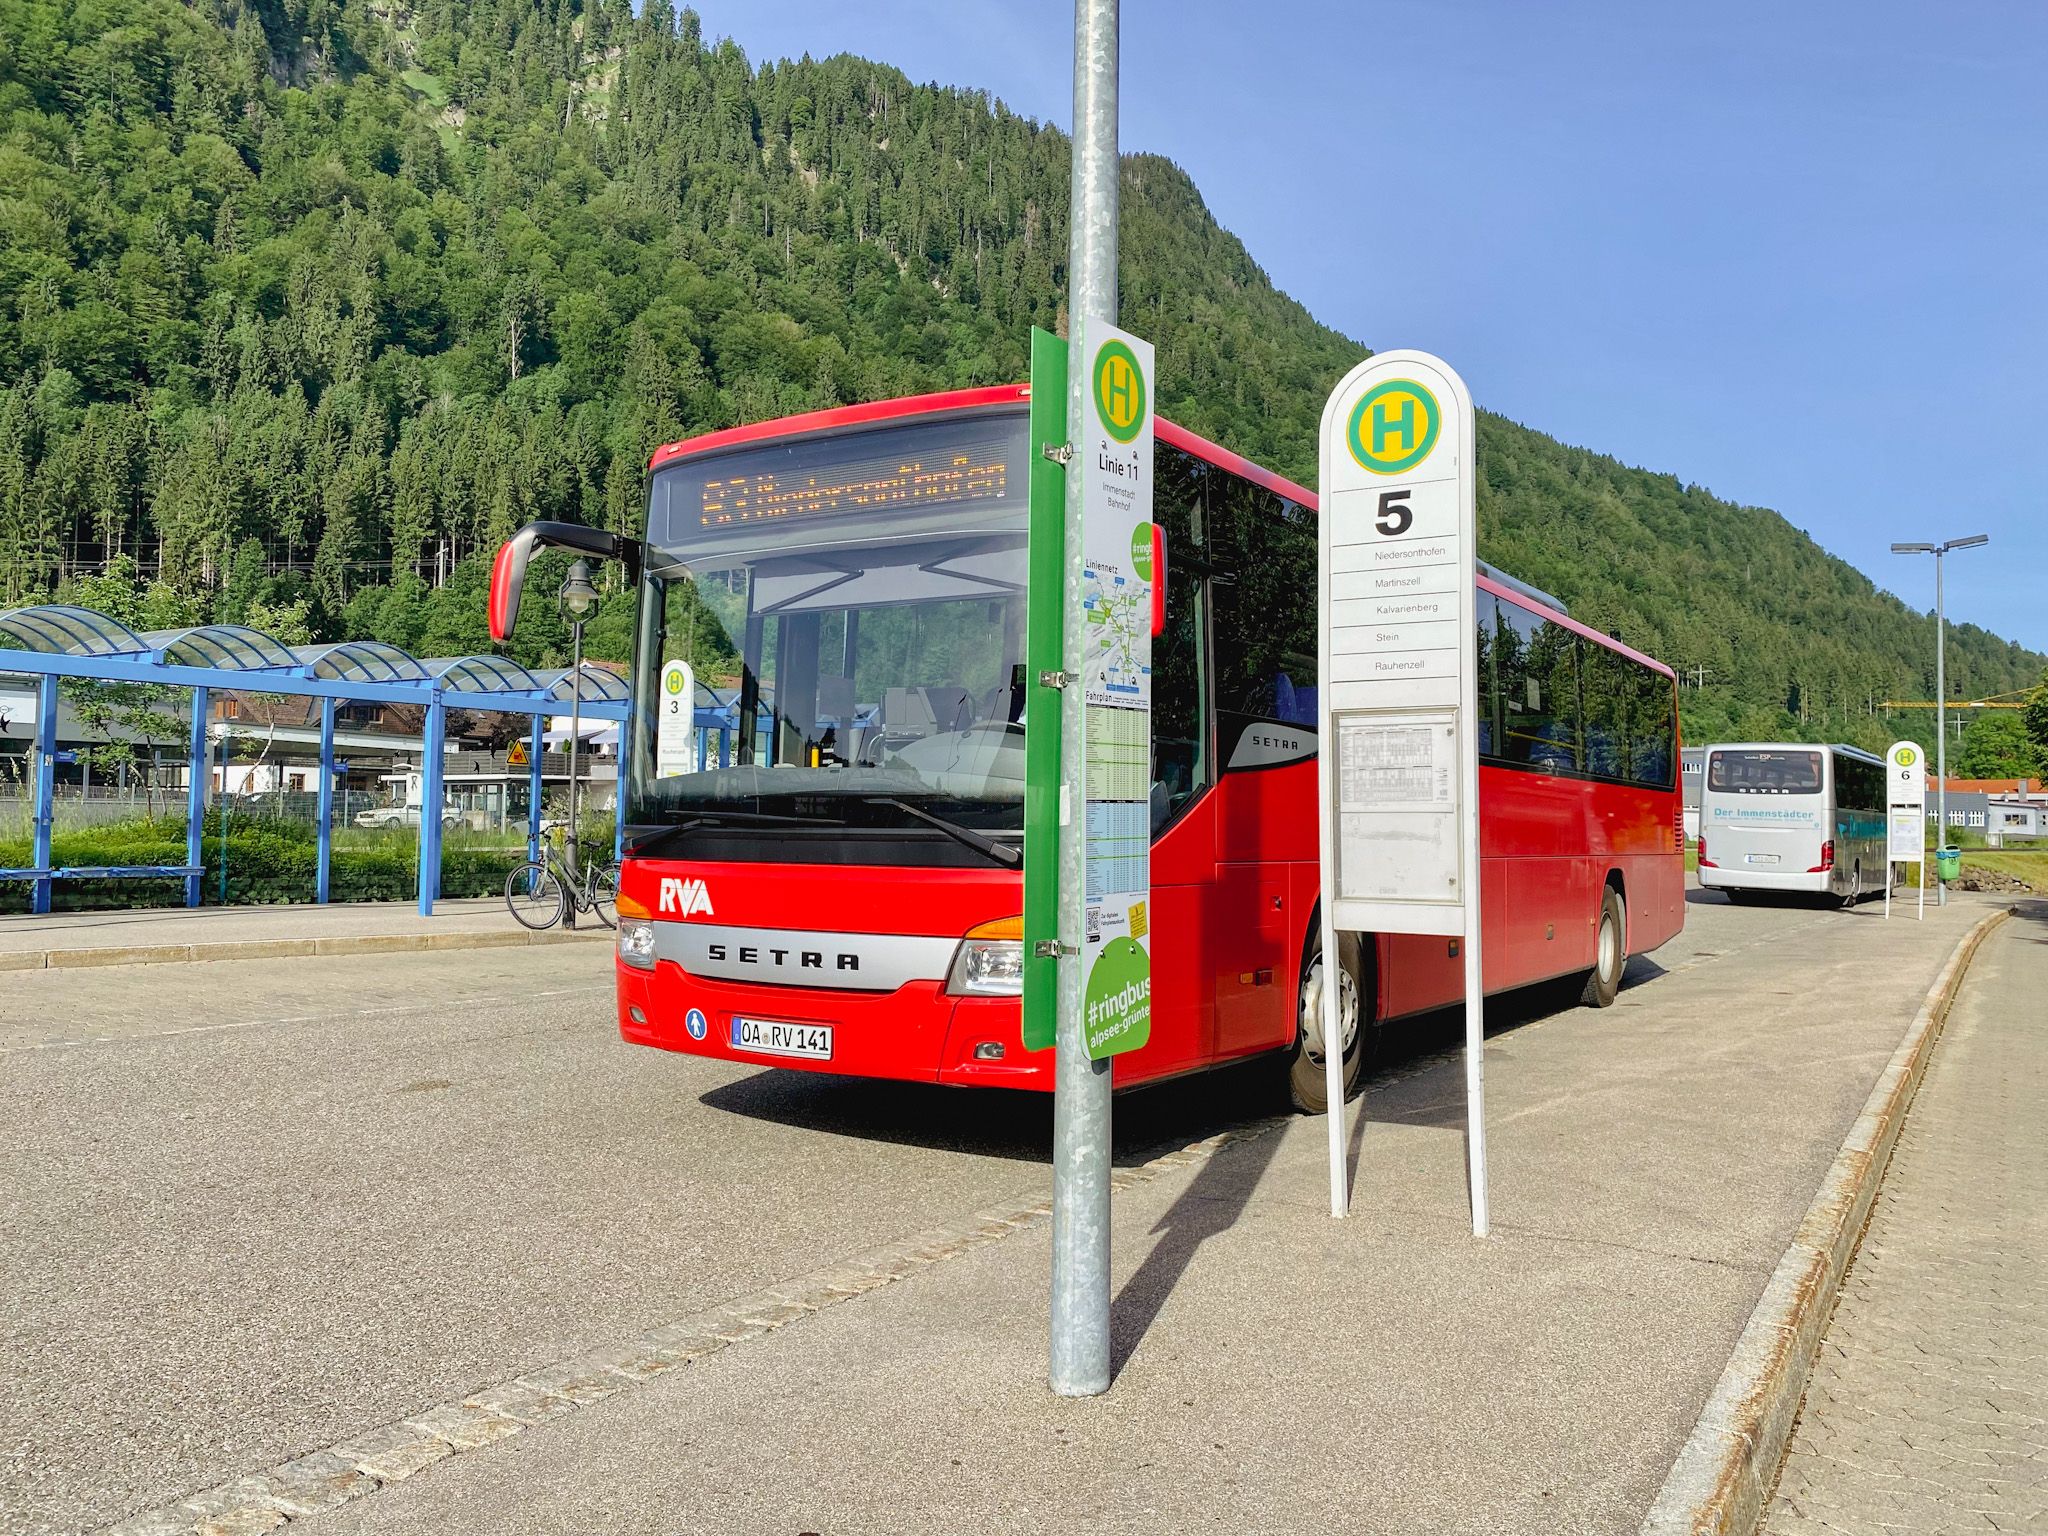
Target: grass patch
x,y
429,86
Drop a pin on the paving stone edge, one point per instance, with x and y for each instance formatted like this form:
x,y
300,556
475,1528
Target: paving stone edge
x,y
375,1458
1724,1474
275,949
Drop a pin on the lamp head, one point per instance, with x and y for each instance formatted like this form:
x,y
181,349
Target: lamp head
x,y
577,597
1912,549
1970,543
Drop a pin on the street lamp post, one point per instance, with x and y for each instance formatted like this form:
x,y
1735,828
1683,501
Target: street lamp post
x,y
576,599
1941,687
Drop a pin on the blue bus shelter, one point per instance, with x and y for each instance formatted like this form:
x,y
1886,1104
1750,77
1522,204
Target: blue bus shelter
x,y
53,642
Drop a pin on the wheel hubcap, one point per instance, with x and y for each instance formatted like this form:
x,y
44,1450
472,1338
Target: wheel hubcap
x,y
1610,946
1312,1010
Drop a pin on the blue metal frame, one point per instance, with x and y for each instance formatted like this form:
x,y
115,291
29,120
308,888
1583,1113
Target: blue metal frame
x,y
112,653
46,789
533,784
195,798
323,859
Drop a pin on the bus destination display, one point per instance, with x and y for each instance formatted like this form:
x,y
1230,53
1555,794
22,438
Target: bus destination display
x,y
889,481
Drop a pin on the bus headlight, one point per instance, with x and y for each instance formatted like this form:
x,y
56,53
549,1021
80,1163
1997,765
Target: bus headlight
x,y
636,935
990,961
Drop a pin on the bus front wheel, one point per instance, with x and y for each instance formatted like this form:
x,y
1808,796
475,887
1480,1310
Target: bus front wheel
x,y
1603,982
1307,1078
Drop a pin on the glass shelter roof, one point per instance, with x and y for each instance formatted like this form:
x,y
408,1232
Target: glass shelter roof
x,y
60,630
231,647
96,645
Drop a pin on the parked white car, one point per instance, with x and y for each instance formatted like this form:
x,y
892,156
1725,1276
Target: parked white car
x,y
401,816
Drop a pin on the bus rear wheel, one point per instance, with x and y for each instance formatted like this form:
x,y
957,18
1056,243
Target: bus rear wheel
x,y
1603,982
1307,1077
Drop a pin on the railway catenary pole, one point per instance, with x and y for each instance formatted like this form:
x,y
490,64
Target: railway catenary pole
x,y
1080,1133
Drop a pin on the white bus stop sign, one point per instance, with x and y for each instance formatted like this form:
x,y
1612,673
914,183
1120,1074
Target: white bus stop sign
x,y
1905,799
675,734
1398,714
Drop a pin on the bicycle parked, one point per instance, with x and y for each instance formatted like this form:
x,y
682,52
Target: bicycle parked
x,y
542,891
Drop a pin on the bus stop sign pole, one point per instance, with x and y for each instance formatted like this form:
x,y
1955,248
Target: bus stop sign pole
x,y
1398,770
1081,1125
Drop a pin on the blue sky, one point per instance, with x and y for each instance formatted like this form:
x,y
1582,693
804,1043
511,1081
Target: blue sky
x,y
1797,253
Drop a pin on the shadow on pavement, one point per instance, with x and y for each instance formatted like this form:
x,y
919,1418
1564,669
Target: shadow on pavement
x,y
1208,1207
999,1122
2033,911
1420,1077
996,1122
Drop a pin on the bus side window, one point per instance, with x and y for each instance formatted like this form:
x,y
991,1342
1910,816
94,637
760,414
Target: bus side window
x,y
1607,689
1180,767
1652,729
1537,662
1265,612
1487,688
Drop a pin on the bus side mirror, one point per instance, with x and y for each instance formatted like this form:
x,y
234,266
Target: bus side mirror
x,y
1158,580
508,572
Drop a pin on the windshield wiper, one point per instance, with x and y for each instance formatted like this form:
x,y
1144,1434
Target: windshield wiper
x,y
647,840
966,837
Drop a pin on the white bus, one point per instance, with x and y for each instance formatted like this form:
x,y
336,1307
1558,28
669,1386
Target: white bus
x,y
1789,816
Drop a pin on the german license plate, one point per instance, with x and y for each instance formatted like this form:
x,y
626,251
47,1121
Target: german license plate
x,y
1759,858
778,1037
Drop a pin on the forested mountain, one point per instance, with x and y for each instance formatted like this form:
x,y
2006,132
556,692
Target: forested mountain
x,y
304,304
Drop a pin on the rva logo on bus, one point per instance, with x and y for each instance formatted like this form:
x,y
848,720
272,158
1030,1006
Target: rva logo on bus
x,y
685,898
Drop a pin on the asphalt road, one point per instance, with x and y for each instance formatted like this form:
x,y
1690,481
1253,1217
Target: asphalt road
x,y
251,1208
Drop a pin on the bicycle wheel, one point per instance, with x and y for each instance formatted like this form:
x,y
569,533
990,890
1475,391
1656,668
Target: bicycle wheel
x,y
534,895
604,894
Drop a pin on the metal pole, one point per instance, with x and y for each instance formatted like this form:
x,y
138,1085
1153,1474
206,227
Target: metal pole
x,y
575,730
535,789
325,848
1080,1123
223,818
431,766
195,798
46,790
1940,728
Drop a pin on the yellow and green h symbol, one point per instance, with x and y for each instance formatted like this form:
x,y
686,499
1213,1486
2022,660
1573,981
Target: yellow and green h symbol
x,y
1393,427
1387,420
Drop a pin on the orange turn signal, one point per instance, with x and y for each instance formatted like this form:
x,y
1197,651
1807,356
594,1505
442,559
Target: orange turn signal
x,y
1001,928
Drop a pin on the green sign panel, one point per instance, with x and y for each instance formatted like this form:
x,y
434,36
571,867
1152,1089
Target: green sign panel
x,y
1044,613
1115,570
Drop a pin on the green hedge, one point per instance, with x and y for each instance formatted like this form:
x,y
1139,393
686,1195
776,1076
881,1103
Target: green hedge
x,y
269,861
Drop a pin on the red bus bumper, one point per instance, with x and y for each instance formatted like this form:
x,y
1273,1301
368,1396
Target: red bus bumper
x,y
918,1033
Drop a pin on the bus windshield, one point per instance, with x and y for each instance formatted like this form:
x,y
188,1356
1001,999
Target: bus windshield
x,y
1764,773
853,608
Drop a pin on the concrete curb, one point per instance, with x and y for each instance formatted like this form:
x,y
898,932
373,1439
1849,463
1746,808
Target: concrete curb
x,y
273,949
1724,1475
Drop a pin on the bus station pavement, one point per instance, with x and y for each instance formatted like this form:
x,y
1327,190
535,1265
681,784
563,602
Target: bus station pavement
x,y
1278,1371
160,935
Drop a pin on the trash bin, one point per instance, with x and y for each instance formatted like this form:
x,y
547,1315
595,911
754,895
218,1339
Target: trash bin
x,y
1948,862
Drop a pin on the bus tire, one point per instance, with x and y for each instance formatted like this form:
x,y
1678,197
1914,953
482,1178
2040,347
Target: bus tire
x,y
1307,1081
1610,950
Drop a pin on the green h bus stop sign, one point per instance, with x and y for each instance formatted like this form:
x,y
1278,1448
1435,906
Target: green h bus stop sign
x,y
1114,573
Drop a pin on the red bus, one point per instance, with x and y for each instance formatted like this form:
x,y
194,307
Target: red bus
x,y
839,890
